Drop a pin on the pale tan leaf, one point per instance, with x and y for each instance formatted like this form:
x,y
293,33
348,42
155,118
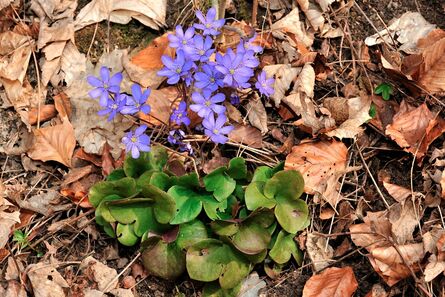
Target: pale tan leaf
x,y
247,135
400,194
8,218
257,115
150,13
104,276
62,30
321,163
55,143
404,219
433,268
46,280
414,129
319,251
15,52
373,232
432,70
332,282
291,24
284,75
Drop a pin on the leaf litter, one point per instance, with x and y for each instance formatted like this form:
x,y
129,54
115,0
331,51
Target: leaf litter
x,y
318,121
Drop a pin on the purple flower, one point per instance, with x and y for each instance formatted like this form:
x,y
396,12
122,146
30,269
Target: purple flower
x,y
231,66
175,69
136,102
215,129
186,147
179,114
248,45
114,106
137,142
207,104
234,99
250,60
181,40
175,136
209,25
264,84
210,78
202,49
104,85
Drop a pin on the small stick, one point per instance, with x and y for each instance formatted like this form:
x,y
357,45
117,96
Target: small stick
x,y
254,13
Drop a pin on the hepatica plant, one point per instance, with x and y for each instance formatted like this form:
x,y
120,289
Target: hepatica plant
x,y
216,229
205,78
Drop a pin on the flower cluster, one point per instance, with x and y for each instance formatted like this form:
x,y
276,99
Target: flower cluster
x,y
207,73
107,89
203,74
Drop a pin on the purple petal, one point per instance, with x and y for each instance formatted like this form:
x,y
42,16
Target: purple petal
x,y
226,129
135,152
145,109
211,13
104,99
197,98
220,121
200,16
219,109
140,130
104,74
94,93
220,97
168,62
94,81
136,92
144,139
116,79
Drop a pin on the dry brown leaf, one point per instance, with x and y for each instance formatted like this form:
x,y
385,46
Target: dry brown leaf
x,y
104,276
44,203
400,194
161,106
144,66
404,219
76,173
373,232
434,268
321,163
149,13
9,216
46,280
319,251
432,70
314,15
284,75
332,282
291,24
14,288
247,135
63,105
47,111
377,291
257,115
54,143
414,129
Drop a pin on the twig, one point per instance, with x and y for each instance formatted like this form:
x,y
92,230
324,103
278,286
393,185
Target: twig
x,y
254,13
120,273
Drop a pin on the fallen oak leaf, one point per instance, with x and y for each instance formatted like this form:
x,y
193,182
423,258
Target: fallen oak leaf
x,y
414,129
332,282
54,143
321,163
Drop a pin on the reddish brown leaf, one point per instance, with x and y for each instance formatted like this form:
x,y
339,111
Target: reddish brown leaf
x,y
247,135
77,173
414,129
321,163
332,282
107,160
55,143
47,112
432,70
63,105
161,102
150,57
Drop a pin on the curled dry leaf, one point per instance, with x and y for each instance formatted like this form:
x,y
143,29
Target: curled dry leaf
x,y
314,14
149,13
247,135
46,280
144,66
404,219
257,115
432,69
319,251
284,75
291,24
414,129
9,216
400,194
409,28
104,276
54,143
321,163
47,111
332,282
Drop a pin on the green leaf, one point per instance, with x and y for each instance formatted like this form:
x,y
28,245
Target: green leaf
x,y
213,207
116,175
385,89
224,228
262,174
289,184
205,260
190,180
291,214
191,233
236,268
220,183
255,198
125,234
284,247
188,204
237,168
251,239
165,260
155,178
164,205
102,212
258,258
125,187
372,111
155,159
213,289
